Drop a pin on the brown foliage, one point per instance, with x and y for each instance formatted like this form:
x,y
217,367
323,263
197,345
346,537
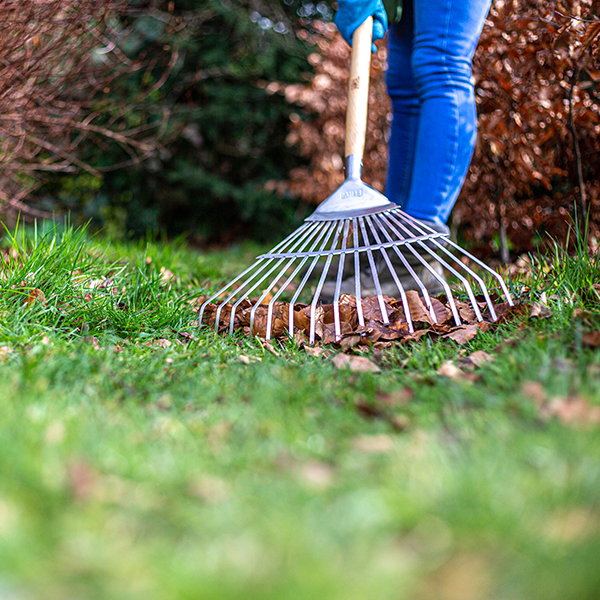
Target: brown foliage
x,y
58,61
537,75
374,329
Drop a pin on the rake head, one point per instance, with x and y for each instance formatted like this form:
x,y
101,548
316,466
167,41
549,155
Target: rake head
x,y
357,244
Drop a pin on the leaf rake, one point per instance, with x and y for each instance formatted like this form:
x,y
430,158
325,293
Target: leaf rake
x,y
356,243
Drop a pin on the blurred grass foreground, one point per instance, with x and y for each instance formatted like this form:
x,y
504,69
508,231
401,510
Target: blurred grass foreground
x,y
144,458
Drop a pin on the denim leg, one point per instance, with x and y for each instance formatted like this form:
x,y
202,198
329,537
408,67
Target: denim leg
x,y
444,40
406,108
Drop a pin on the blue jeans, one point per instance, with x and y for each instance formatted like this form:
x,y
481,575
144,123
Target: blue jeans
x,y
434,124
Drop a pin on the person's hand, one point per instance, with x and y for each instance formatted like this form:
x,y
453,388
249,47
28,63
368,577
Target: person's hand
x,y
352,13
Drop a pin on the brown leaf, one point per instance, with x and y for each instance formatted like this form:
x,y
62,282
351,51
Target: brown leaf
x,y
355,363
451,371
539,311
418,310
212,490
316,475
591,338
466,312
574,410
442,314
399,397
35,295
313,350
369,410
535,392
462,334
480,357
373,444
82,478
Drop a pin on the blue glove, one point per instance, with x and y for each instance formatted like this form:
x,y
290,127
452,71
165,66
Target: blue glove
x,y
352,13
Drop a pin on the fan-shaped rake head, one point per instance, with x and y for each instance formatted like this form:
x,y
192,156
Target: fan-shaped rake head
x,y
316,274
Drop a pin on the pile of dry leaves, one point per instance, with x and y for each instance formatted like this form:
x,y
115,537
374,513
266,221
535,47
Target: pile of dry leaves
x,y
374,329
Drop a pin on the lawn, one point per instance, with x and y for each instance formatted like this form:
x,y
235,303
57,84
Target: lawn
x,y
142,458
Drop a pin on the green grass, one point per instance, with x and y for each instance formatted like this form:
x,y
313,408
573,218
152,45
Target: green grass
x,y
136,462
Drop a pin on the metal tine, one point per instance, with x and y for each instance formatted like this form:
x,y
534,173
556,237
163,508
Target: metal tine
x,y
395,278
497,276
296,247
456,273
407,265
367,242
322,231
313,305
477,278
465,282
338,283
357,293
251,289
443,282
329,229
491,271
452,270
252,267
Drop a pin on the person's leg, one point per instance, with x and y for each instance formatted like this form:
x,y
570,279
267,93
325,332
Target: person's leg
x,y
445,36
406,108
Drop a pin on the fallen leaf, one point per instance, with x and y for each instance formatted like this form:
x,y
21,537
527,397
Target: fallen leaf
x,y
165,275
573,410
462,334
539,311
313,350
248,359
399,397
479,357
571,525
535,392
451,371
82,478
210,489
371,411
35,295
316,475
6,351
355,363
591,338
373,444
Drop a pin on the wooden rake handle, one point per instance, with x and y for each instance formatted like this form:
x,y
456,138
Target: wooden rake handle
x,y
358,90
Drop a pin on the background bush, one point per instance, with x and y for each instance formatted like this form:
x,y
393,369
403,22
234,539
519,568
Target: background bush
x,y
245,102
227,132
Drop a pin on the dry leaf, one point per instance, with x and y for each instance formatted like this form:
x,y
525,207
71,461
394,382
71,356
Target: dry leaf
x,y
248,359
355,363
316,475
462,334
376,444
451,371
165,275
210,489
313,350
35,295
535,392
480,357
591,338
399,397
573,410
539,311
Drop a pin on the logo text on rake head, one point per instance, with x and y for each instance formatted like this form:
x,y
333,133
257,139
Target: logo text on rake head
x,y
351,194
